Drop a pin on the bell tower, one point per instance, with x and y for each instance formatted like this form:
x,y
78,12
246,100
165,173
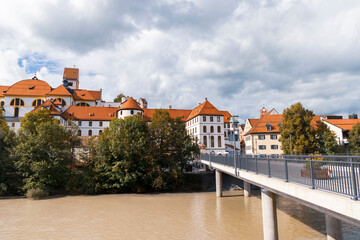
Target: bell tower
x,y
71,78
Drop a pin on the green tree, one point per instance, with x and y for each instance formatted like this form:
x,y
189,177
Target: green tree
x,y
43,151
354,138
119,98
325,139
121,156
297,123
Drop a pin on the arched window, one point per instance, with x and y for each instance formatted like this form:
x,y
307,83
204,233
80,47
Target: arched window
x,y
120,112
204,129
62,101
16,112
2,103
205,141
132,112
79,132
212,141
219,141
17,102
37,102
212,129
90,133
100,132
83,104
219,129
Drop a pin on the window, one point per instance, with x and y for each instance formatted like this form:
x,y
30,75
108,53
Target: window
x,y
100,132
2,103
12,124
218,119
268,127
274,147
204,129
205,141
90,123
70,84
262,147
204,119
211,119
120,112
100,124
273,136
37,102
212,129
247,138
83,104
219,129
16,112
62,101
17,102
212,141
195,129
224,133
132,112
90,133
219,141
79,123
79,132
261,137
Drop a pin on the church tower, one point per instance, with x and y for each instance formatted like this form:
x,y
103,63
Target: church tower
x,y
129,108
71,78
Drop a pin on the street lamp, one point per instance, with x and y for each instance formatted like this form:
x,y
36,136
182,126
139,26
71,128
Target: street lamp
x,y
234,122
291,144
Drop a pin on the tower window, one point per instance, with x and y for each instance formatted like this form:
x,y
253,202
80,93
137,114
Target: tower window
x,y
132,112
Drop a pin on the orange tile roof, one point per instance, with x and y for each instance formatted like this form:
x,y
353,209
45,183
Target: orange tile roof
x,y
130,104
71,73
174,113
90,113
83,94
2,90
205,108
60,91
29,87
344,124
253,121
227,116
49,105
274,120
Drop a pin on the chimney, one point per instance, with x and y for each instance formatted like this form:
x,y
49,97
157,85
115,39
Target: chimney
x,y
170,107
263,111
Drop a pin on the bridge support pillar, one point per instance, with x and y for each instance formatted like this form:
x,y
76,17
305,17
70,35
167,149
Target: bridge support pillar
x,y
218,179
247,191
268,202
333,228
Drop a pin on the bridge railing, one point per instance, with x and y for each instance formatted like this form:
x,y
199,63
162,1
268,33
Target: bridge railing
x,y
339,174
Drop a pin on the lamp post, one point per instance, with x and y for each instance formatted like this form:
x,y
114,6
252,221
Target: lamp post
x,y
291,144
234,122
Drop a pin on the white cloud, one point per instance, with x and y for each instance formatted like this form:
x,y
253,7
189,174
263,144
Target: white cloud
x,y
241,55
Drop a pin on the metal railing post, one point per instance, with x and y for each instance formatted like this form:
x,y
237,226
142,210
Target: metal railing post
x,y
235,161
209,161
256,166
353,180
268,162
311,174
286,170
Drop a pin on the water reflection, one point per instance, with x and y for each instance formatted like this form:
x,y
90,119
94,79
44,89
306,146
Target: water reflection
x,y
156,216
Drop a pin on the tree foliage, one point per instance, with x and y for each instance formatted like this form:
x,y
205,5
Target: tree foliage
x,y
43,151
354,138
325,139
297,122
119,98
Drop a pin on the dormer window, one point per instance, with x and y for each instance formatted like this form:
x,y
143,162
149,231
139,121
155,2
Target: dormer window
x,y
268,127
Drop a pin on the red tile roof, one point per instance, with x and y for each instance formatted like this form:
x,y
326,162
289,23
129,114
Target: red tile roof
x,y
344,124
174,113
71,73
90,113
49,105
86,95
274,120
227,116
252,121
3,90
205,108
130,104
29,87
59,91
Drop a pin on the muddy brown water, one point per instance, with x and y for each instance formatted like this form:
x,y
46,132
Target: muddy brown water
x,y
156,216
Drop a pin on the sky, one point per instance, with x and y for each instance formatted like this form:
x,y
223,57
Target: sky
x,y
241,55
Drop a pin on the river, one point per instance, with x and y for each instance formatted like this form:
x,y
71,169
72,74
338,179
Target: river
x,y
156,216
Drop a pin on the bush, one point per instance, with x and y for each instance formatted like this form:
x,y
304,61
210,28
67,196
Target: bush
x,y
3,189
36,194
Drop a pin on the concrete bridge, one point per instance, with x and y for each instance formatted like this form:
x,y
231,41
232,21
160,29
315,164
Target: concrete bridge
x,y
329,184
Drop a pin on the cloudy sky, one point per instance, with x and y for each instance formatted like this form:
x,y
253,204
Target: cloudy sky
x,y
241,55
